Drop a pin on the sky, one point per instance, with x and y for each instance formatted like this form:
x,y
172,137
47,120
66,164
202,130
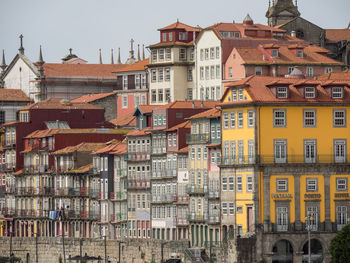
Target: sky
x,y
88,25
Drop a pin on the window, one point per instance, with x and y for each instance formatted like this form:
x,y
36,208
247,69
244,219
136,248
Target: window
x,y
225,120
240,119
312,213
154,55
218,92
154,95
199,153
161,54
239,209
192,54
232,120
231,183
170,139
249,183
137,81
224,208
125,101
230,72
342,217
274,53
279,118
251,151
143,100
189,74
212,72
233,152
234,94
282,92
168,54
250,118
339,118
309,71
201,54
311,185
282,185
224,183
300,53
2,117
174,139
143,81
160,75
258,71
337,92
206,53
310,92
310,151
136,100
170,36
240,151
218,75
201,73
125,82
339,151
167,95
282,218
217,52
154,75
206,72
240,94
212,53
182,54
342,184
167,74
280,149
160,95
231,208
23,117
205,153
309,118
239,183
328,70
183,36
193,152
164,37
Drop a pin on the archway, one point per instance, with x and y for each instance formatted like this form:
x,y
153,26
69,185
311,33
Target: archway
x,y
283,252
316,251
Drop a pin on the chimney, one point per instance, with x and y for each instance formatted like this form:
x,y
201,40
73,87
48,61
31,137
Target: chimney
x,y
293,33
193,105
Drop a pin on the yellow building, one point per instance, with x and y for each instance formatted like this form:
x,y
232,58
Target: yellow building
x,y
284,143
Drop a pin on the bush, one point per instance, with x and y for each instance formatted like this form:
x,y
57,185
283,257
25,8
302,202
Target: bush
x,y
340,246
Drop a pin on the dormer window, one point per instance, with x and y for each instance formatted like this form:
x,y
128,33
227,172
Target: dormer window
x,y
164,37
337,93
183,36
170,36
282,92
300,53
274,53
310,92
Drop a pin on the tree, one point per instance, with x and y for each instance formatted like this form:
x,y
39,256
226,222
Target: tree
x,y
60,259
340,246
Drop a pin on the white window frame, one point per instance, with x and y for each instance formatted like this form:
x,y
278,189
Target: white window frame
x,y
311,184
279,121
125,101
340,153
339,121
310,151
309,118
341,184
337,92
282,185
282,92
280,151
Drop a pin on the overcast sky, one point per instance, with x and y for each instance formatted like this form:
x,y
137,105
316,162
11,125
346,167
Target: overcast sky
x,y
87,25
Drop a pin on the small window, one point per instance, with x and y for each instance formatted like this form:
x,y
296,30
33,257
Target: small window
x,y
224,208
239,209
279,118
231,183
233,120
328,70
240,119
170,36
310,92
234,94
249,183
154,76
282,92
212,53
337,93
310,71
189,75
250,118
230,72
309,118
258,71
239,184
224,183
161,54
164,37
225,120
231,208
300,53
339,118
311,184
125,101
274,53
282,185
342,184
240,94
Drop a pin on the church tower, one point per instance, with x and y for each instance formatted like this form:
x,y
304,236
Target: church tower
x,y
281,12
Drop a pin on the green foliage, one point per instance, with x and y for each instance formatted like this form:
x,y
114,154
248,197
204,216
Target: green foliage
x,y
60,259
340,246
262,261
82,260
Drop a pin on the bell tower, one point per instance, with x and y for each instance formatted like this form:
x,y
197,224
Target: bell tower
x,y
281,11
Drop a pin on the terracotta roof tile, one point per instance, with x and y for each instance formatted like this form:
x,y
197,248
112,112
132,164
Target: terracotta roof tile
x,y
138,66
82,147
179,25
183,150
139,132
190,104
170,44
83,169
115,148
212,113
186,124
91,97
345,75
10,123
13,95
336,35
145,109
100,71
124,121
58,103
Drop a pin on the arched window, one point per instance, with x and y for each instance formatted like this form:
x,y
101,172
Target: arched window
x,y
316,251
282,252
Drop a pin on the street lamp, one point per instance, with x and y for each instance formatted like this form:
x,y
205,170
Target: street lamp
x,y
309,220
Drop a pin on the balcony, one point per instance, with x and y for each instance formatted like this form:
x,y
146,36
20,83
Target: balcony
x,y
199,190
118,196
83,191
181,221
139,184
8,167
73,191
93,171
8,212
9,189
43,191
199,218
118,217
93,215
159,150
169,198
84,214
213,194
213,219
25,191
33,169
9,144
93,193
164,174
197,138
122,173
138,156
181,199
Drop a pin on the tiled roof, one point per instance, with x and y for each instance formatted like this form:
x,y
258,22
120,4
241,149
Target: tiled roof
x,y
138,66
258,88
124,121
83,169
58,103
170,44
82,147
139,132
121,148
179,25
45,133
311,55
10,123
345,75
186,124
183,150
91,97
212,113
13,95
148,108
115,147
336,35
196,104
100,71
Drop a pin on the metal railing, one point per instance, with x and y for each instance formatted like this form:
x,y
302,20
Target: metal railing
x,y
138,184
181,199
181,221
36,168
139,156
194,217
167,198
213,219
166,173
195,189
118,196
213,194
197,138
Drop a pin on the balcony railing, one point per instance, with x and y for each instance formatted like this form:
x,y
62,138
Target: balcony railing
x,y
166,173
195,189
181,221
197,138
93,215
181,199
285,159
168,198
35,169
213,219
25,191
213,194
93,193
9,144
139,184
118,217
83,191
193,217
119,196
122,172
139,156
8,211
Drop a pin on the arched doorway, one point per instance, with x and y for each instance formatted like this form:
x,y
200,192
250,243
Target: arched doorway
x,y
282,252
316,251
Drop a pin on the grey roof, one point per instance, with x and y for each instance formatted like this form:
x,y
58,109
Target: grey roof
x,y
57,125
